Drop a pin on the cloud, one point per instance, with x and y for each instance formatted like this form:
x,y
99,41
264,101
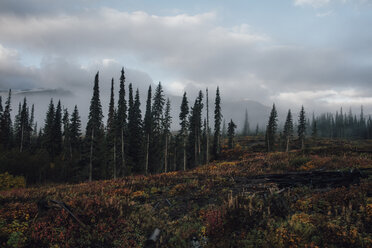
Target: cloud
x,y
324,3
313,3
192,51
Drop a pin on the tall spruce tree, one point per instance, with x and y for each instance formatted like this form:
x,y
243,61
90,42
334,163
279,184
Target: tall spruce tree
x,y
6,123
48,140
157,144
24,129
301,129
184,127
288,129
207,129
271,128
217,125
166,132
31,124
75,130
231,133
94,129
67,149
57,129
111,133
122,122
18,127
195,131
147,128
135,131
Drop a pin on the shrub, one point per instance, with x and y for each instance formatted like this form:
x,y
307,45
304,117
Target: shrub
x,y
8,181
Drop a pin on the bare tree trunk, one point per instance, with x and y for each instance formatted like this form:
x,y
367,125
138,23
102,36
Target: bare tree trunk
x,y
184,154
207,150
147,154
21,147
287,149
114,157
166,154
91,157
196,152
70,146
122,151
175,158
302,144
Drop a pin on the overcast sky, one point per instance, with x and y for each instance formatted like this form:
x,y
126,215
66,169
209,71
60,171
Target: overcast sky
x,y
291,52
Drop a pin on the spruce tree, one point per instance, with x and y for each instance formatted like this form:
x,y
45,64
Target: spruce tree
x,y
271,129
67,149
18,127
31,125
94,129
195,131
166,132
137,134
6,123
147,128
157,144
122,122
24,127
288,129
231,133
301,129
135,131
48,140
57,129
184,126
111,132
75,130
217,125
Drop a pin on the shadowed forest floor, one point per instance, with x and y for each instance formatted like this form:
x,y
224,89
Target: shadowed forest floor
x,y
321,197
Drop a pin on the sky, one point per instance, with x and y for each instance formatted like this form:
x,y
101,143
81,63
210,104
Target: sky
x,y
316,53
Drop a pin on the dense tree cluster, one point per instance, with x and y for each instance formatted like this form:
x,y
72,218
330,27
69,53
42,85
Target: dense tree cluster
x,y
328,125
128,143
132,143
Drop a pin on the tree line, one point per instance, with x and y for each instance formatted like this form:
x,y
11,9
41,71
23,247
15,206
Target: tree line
x,y
128,143
327,125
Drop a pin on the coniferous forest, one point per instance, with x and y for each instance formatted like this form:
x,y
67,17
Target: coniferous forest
x,y
129,180
133,143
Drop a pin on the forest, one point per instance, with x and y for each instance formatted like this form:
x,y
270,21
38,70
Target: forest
x,y
134,182
131,143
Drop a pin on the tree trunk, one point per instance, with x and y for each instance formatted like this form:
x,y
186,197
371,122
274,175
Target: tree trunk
x,y
184,154
21,146
287,148
147,154
122,151
70,146
166,154
207,150
91,157
302,144
114,157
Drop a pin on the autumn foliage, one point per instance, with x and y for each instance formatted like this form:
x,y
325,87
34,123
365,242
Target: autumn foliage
x,y
208,205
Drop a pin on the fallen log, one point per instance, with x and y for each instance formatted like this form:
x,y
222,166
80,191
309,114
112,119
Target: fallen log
x,y
44,205
317,179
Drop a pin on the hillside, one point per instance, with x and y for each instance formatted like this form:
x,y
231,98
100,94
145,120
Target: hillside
x,y
237,201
